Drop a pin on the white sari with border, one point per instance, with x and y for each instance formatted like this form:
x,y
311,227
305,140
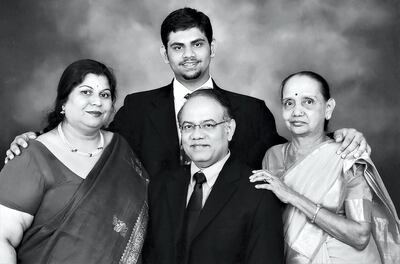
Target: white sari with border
x,y
319,177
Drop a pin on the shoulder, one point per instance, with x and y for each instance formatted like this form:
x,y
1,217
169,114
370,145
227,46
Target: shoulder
x,y
30,156
241,98
144,96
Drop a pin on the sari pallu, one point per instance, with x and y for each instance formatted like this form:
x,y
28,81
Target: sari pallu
x,y
104,222
318,177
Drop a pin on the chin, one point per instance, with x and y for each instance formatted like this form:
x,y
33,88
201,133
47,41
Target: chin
x,y
193,76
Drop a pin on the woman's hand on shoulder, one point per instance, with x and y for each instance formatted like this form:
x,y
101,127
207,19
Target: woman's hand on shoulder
x,y
18,142
265,180
353,143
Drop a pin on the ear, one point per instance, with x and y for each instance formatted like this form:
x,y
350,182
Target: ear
x,y
212,47
330,105
230,128
164,54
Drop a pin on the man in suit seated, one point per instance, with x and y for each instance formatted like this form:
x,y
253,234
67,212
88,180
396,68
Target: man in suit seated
x,y
148,120
208,212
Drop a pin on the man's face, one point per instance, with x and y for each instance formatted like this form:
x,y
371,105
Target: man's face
x,y
189,53
205,146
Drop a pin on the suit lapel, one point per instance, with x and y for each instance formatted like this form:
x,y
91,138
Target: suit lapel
x,y
162,115
222,191
177,194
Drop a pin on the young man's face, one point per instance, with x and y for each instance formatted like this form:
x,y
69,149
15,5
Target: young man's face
x,y
189,54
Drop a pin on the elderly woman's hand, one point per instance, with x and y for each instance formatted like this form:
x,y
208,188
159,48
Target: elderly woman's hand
x,y
272,183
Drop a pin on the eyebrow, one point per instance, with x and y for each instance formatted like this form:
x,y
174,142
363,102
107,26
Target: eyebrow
x,y
208,120
88,86
192,42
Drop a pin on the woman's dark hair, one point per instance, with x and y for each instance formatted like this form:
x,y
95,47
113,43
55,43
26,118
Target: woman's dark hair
x,y
72,76
324,86
183,19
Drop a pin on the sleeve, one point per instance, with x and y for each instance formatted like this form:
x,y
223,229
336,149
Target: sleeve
x,y
21,184
358,197
266,243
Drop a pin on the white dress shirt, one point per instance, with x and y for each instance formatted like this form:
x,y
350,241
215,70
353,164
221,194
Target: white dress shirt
x,y
211,174
180,92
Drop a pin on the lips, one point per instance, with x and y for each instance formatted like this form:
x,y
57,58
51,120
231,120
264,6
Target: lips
x,y
190,64
199,146
94,113
297,123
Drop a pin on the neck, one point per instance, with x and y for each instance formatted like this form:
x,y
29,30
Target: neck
x,y
83,140
195,83
302,145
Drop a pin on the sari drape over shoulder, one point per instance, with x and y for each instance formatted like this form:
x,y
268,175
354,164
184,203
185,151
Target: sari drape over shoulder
x,y
104,222
319,177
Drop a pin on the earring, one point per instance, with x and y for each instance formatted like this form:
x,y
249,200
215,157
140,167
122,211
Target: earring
x,y
62,110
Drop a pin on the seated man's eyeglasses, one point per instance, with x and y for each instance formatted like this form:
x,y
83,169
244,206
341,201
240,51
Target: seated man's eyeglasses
x,y
209,125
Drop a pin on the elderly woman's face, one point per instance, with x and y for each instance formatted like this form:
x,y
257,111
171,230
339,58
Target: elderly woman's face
x,y
89,104
304,109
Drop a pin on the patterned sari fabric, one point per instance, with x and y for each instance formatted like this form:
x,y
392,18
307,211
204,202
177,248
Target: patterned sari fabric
x,y
326,179
103,223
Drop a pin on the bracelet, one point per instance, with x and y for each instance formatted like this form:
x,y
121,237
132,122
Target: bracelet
x,y
315,213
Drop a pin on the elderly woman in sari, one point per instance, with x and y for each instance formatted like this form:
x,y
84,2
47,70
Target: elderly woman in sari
x,y
78,194
333,204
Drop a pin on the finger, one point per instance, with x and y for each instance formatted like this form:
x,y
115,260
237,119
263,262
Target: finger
x,y
258,177
6,160
259,173
265,186
14,149
340,134
356,138
21,141
9,155
362,147
31,135
344,147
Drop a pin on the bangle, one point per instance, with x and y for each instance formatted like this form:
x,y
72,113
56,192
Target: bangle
x,y
315,213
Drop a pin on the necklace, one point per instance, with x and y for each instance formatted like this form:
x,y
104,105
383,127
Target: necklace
x,y
77,151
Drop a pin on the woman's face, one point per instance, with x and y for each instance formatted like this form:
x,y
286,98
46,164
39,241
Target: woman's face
x,y
304,109
89,105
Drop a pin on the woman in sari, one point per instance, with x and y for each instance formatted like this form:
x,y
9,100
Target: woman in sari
x,y
78,194
333,204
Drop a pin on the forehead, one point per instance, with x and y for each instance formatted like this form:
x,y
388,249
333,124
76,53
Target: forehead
x,y
95,81
201,108
301,86
187,35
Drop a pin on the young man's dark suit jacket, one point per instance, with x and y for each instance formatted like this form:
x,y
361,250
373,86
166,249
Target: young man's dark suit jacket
x,y
238,223
147,121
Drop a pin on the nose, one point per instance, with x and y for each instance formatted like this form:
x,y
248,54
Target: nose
x,y
197,133
188,52
95,99
298,110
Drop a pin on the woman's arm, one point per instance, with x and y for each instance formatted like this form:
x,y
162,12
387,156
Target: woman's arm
x,y
13,223
351,232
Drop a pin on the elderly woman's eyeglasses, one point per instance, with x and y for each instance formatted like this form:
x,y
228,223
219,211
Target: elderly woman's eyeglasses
x,y
208,126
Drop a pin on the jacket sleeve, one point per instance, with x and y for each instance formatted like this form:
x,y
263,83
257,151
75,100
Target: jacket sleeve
x,y
266,243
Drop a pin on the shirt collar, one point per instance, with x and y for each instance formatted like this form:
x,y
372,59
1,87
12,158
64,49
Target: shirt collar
x,y
211,172
180,91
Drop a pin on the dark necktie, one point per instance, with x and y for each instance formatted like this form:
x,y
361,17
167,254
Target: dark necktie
x,y
193,208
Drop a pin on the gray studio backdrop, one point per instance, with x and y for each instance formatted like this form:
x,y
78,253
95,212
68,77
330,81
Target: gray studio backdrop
x,y
354,44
